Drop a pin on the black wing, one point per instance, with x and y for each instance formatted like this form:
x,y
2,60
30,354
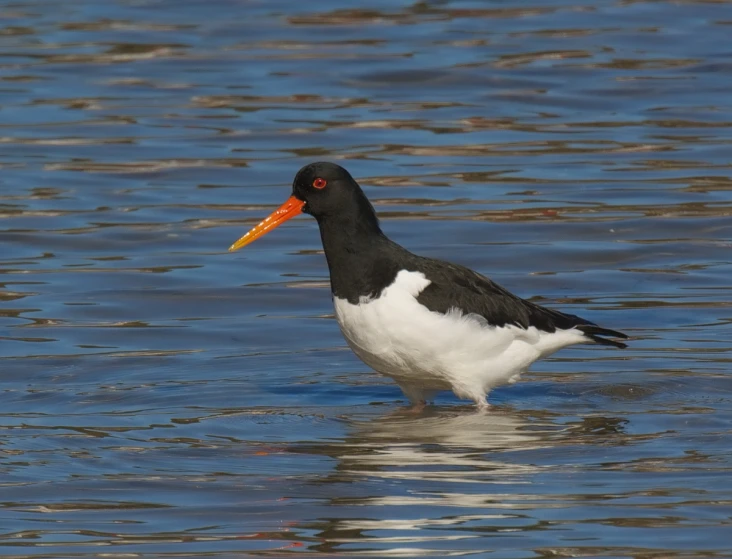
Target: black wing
x,y
454,286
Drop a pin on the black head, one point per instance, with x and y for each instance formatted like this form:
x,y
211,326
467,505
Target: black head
x,y
328,193
328,190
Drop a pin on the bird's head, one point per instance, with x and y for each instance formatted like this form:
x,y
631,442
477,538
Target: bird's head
x,y
323,190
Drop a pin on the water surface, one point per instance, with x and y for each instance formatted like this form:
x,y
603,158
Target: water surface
x,y
160,397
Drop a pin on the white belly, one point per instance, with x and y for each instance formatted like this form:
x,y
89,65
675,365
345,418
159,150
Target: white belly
x,y
400,338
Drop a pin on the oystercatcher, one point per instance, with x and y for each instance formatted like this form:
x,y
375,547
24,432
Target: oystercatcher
x,y
428,324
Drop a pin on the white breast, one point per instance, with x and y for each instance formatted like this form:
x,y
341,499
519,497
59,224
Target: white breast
x,y
425,351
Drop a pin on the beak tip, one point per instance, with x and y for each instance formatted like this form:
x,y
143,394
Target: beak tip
x,y
291,208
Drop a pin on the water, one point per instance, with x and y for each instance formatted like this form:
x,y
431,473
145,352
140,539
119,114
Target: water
x,y
160,397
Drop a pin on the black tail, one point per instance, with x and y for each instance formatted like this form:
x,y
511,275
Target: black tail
x,y
549,320
595,332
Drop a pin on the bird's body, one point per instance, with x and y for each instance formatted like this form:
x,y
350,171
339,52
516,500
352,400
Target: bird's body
x,y
426,351
428,324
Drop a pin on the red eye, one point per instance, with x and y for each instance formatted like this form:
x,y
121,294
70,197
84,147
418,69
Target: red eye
x,y
319,183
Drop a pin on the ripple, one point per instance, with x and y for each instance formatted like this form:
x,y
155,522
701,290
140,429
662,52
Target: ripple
x,y
161,397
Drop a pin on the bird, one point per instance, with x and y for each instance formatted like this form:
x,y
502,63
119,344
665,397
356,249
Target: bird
x,y
428,324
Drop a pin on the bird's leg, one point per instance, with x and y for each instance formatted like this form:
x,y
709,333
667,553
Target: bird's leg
x,y
483,407
478,394
417,407
417,397
482,404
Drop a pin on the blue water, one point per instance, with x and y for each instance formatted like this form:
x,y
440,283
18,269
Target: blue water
x,y
161,397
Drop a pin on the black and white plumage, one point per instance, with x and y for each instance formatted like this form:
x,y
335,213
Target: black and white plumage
x,y
428,324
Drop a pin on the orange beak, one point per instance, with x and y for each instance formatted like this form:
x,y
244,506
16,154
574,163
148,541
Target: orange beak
x,y
289,209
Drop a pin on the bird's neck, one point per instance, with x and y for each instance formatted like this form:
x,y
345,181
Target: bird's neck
x,y
358,256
